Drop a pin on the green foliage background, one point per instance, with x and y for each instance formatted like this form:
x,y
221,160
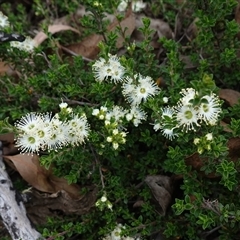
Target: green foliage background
x,y
200,204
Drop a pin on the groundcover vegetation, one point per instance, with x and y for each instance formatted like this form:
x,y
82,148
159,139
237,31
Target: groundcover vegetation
x,y
121,120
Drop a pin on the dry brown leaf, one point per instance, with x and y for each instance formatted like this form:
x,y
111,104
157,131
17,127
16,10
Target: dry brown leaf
x,y
41,36
8,144
6,69
197,162
192,30
234,148
225,126
128,24
188,64
161,187
88,48
45,205
7,137
159,27
40,178
230,96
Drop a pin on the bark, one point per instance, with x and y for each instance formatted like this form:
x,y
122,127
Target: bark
x,y
12,209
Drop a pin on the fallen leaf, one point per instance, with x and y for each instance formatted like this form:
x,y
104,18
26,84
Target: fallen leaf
x,y
8,144
225,126
161,187
41,36
40,178
234,148
7,137
232,97
159,27
44,205
88,48
192,30
197,162
128,24
7,69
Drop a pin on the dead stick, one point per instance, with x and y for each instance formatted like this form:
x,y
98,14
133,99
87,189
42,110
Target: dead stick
x,y
12,209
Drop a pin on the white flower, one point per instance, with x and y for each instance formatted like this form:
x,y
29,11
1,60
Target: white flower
x,y
109,139
28,143
99,63
28,123
103,109
156,126
95,112
69,110
209,136
136,93
32,133
168,112
196,141
188,95
27,45
59,134
116,233
109,205
78,129
210,109
137,6
108,69
3,21
187,117
103,199
117,70
63,105
100,74
169,133
145,88
136,114
117,113
115,131
165,99
101,116
122,6
107,122
115,145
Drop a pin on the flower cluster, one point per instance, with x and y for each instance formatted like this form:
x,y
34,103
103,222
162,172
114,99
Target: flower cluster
x,y
110,69
112,121
138,89
103,202
204,143
4,23
191,111
27,45
116,234
135,89
46,132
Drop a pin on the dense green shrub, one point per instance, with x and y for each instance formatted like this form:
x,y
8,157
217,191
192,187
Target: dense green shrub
x,y
188,147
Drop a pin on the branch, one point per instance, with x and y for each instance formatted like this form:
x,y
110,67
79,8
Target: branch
x,y
12,209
